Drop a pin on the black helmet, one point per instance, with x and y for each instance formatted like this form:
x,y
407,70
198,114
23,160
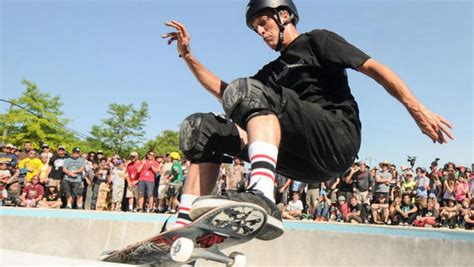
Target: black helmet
x,y
254,7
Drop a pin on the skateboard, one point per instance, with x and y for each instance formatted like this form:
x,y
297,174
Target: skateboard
x,y
102,196
204,238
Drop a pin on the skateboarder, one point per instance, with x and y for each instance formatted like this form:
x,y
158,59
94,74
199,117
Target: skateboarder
x,y
296,116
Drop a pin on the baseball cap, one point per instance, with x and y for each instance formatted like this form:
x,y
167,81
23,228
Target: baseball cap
x,y
9,146
76,150
44,145
134,154
100,152
61,147
341,198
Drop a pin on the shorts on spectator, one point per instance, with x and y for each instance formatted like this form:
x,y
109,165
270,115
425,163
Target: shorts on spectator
x,y
173,190
72,189
117,193
162,188
145,189
131,191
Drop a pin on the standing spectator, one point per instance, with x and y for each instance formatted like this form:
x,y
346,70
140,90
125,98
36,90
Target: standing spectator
x,y
283,189
99,155
380,209
408,184
132,181
362,184
43,172
27,146
119,175
165,171
32,194
101,175
30,166
346,186
55,170
322,207
51,200
436,186
356,212
383,178
294,208
332,187
462,189
47,150
235,175
449,186
74,168
435,169
146,181
176,181
312,196
422,183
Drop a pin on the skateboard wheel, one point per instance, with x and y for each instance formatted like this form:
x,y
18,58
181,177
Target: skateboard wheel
x,y
182,249
238,259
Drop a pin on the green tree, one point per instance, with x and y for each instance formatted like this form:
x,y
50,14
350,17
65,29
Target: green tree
x,y
123,130
37,117
166,141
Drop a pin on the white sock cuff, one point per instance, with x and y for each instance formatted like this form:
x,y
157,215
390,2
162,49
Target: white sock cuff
x,y
263,148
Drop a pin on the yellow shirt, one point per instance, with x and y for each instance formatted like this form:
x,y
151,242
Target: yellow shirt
x,y
408,185
32,166
43,172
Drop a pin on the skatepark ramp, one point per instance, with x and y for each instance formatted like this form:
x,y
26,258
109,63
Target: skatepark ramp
x,y
35,234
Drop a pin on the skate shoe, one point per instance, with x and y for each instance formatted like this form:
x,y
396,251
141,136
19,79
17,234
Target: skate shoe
x,y
272,229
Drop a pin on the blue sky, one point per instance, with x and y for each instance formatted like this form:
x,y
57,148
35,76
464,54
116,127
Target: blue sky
x,y
92,53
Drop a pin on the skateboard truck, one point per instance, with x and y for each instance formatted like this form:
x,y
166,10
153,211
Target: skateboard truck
x,y
183,250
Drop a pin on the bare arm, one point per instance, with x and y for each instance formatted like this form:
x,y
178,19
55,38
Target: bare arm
x,y
208,80
430,123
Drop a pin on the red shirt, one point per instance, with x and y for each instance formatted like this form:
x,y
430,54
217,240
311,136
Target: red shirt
x,y
33,191
147,173
132,170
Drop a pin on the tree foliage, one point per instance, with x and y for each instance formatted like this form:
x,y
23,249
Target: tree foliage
x,y
123,130
36,117
166,141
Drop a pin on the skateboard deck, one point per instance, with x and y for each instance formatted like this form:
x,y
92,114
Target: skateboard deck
x,y
102,196
204,238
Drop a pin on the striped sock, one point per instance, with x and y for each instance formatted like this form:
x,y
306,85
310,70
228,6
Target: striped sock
x,y
263,158
183,210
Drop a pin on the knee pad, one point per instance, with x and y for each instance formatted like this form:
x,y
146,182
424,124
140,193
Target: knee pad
x,y
246,98
206,137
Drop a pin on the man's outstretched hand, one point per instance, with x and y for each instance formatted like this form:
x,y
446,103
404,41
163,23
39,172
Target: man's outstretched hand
x,y
433,125
181,35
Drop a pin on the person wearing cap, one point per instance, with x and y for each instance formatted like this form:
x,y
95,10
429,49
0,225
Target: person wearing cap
x,y
99,154
362,182
176,179
422,183
383,177
74,169
30,166
132,180
449,214
55,170
46,149
342,209
408,184
10,155
301,102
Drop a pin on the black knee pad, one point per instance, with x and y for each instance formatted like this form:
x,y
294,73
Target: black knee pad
x,y
206,137
246,98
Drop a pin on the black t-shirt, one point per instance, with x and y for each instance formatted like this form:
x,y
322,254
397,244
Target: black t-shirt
x,y
362,180
344,186
356,208
56,162
314,66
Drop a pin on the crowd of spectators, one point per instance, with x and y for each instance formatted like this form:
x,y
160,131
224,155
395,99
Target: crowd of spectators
x,y
382,194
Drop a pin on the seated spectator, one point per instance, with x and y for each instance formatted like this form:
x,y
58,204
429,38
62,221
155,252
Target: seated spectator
x,y
463,209
449,214
32,194
294,208
427,215
435,200
342,209
407,210
322,207
356,212
119,175
469,217
393,214
51,199
380,209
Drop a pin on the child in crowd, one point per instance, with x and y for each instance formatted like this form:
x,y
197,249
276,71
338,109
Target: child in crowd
x,y
51,199
449,214
294,208
427,214
469,217
119,175
407,210
342,209
322,207
380,209
356,212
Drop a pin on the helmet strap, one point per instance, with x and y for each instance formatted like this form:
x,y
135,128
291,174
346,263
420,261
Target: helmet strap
x,y
281,27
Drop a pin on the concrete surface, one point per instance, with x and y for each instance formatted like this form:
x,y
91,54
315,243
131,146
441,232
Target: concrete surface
x,y
85,234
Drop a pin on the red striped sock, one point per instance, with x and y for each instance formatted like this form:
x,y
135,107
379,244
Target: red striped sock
x,y
263,158
183,210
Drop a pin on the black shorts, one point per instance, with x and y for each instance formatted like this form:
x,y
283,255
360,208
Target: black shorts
x,y
316,144
72,189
